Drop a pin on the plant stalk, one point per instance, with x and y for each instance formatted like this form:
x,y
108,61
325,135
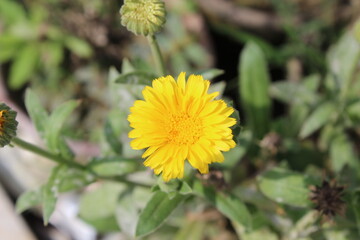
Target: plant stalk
x,y
60,160
42,152
155,50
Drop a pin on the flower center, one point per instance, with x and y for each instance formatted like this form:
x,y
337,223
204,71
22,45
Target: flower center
x,y
183,129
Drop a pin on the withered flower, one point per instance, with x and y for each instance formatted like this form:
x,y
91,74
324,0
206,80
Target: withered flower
x,y
328,199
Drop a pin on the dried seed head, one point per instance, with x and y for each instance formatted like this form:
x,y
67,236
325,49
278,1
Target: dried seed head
x,y
8,124
327,198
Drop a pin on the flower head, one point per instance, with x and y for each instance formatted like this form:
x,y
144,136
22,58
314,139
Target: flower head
x,y
143,16
328,198
8,124
178,121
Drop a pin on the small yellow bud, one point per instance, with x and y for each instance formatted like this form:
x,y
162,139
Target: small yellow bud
x,y
8,124
143,16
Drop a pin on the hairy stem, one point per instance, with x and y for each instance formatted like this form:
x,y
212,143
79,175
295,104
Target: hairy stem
x,y
42,152
155,50
60,160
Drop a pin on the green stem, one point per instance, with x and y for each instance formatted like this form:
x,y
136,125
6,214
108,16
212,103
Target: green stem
x,y
58,159
155,50
42,152
124,180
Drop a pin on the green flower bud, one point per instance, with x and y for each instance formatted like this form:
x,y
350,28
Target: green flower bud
x,y
8,124
143,16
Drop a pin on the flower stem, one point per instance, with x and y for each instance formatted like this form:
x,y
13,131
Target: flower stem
x,y
60,160
155,50
42,152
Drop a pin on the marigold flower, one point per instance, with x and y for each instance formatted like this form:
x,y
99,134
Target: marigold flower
x,y
8,124
179,120
143,16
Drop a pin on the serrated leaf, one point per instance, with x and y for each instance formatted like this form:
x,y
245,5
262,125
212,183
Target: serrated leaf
x,y
36,111
254,87
28,200
55,123
23,66
136,78
318,118
285,186
156,212
227,203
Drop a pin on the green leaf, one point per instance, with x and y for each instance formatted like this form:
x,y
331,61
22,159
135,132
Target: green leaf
x,y
343,59
126,66
78,46
210,74
113,166
11,11
342,153
284,186
49,193
192,229
227,203
353,111
254,87
55,123
36,111
355,204
136,78
292,93
105,225
318,118
98,206
68,178
185,188
156,212
127,213
28,200
9,45
111,138
23,66
53,53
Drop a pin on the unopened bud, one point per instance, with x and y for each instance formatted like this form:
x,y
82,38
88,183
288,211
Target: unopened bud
x,y
144,17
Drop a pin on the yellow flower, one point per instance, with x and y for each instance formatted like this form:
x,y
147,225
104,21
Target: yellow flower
x,y
179,120
8,124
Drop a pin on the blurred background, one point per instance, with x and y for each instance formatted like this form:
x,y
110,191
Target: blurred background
x,y
63,49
